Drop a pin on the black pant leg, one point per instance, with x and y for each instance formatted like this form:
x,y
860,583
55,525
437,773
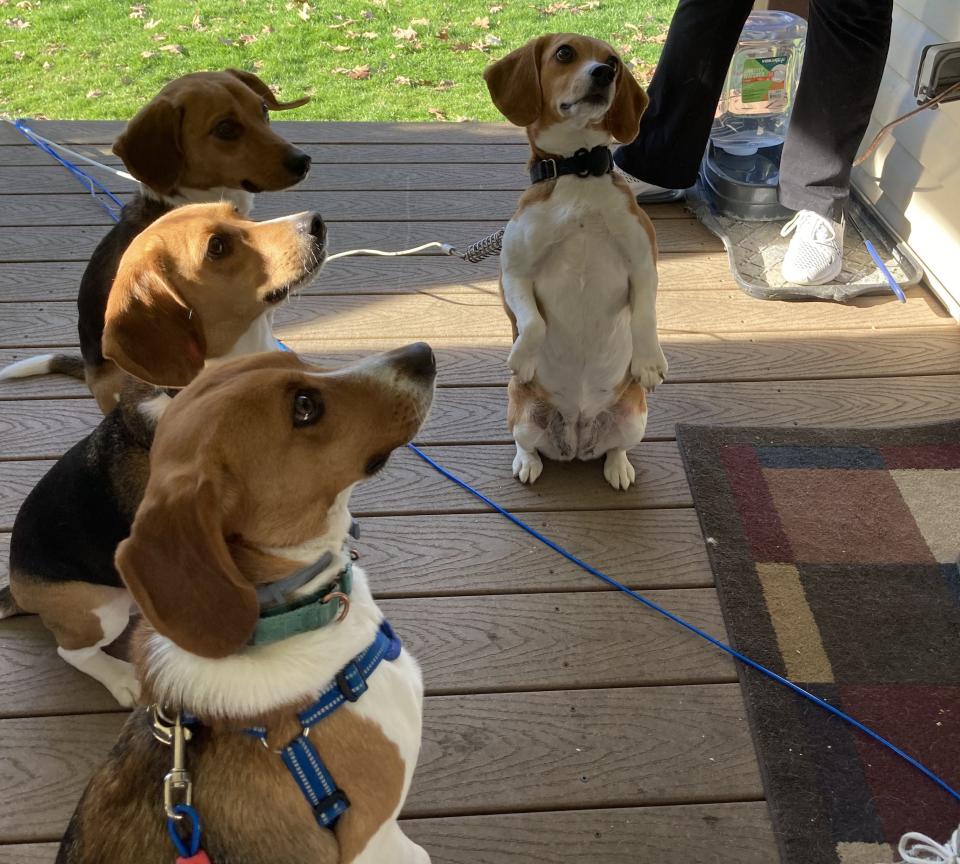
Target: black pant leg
x,y
684,92
847,42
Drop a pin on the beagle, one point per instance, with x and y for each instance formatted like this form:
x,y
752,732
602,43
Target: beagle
x,y
203,137
250,479
579,261
200,283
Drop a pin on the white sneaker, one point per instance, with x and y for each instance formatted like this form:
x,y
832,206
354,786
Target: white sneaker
x,y
919,849
648,193
815,253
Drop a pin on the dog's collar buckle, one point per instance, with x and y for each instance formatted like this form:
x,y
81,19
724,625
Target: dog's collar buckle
x,y
584,163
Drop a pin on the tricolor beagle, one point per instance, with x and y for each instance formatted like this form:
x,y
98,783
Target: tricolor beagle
x,y
579,261
250,477
199,283
204,137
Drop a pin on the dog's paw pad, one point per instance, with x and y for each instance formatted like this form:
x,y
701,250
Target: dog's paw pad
x,y
126,692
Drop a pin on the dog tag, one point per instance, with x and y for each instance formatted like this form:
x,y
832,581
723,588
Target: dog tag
x,y
199,858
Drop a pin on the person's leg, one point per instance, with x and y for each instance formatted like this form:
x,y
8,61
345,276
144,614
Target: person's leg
x,y
684,92
847,43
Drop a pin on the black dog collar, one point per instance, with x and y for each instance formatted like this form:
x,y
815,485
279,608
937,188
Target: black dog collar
x,y
583,163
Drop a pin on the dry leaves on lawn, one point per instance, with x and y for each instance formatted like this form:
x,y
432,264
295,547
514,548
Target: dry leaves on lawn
x,y
482,23
358,73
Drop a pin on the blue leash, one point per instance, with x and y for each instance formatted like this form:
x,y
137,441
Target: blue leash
x,y
816,700
90,183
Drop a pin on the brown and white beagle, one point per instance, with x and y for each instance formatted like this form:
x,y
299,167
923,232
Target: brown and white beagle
x,y
204,137
578,266
250,477
198,285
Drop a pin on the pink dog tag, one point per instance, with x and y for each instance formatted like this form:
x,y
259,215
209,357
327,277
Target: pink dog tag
x,y
199,858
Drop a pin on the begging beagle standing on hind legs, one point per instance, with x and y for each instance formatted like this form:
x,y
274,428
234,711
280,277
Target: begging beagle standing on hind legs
x,y
579,261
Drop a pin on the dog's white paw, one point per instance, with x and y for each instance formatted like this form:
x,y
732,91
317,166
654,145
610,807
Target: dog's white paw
x,y
522,361
125,690
527,466
617,469
649,368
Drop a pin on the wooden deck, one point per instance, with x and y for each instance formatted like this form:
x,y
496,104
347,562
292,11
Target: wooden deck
x,y
563,723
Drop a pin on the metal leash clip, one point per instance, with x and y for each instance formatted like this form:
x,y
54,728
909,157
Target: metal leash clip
x,y
177,785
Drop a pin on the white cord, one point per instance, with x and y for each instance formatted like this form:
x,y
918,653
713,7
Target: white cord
x,y
924,850
446,247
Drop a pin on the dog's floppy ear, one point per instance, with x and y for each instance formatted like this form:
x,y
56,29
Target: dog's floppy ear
x,y
149,331
514,83
150,145
629,103
177,566
262,90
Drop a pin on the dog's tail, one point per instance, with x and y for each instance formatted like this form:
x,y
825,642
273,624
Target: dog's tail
x,y
44,364
8,606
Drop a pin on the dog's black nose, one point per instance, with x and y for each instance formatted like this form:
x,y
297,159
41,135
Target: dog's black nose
x,y
416,360
317,227
602,75
297,163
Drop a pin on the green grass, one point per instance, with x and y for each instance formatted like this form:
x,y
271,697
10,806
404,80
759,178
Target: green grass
x,y
358,59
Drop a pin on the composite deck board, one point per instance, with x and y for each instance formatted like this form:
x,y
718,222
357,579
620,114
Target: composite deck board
x,y
321,154
478,414
536,671
570,837
76,243
468,317
693,358
481,554
411,486
507,643
524,751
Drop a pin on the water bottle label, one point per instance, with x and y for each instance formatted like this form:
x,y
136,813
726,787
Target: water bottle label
x,y
764,80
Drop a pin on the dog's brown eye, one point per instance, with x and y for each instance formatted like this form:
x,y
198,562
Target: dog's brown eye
x,y
216,247
227,130
307,407
565,54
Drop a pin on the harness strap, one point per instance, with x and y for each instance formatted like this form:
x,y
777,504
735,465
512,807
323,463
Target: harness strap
x,y
584,163
303,761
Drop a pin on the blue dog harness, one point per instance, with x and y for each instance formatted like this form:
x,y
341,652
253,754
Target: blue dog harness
x,y
303,762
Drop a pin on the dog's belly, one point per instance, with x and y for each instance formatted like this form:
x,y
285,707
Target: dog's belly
x,y
583,292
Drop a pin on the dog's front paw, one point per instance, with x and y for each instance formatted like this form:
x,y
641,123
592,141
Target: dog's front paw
x,y
523,363
617,469
527,466
126,690
649,368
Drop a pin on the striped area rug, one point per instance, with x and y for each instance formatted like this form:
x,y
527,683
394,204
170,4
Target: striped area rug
x,y
835,554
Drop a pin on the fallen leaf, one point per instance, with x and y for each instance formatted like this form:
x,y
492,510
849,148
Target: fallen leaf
x,y
19,55
341,25
258,65
420,22
266,29
17,23
152,23
359,73
443,33
138,11
341,48
460,47
495,9
482,23
445,85
172,49
94,94
490,40
402,80
408,34
370,35
148,54
159,37
25,4
437,112
246,39
46,66
303,13
366,13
